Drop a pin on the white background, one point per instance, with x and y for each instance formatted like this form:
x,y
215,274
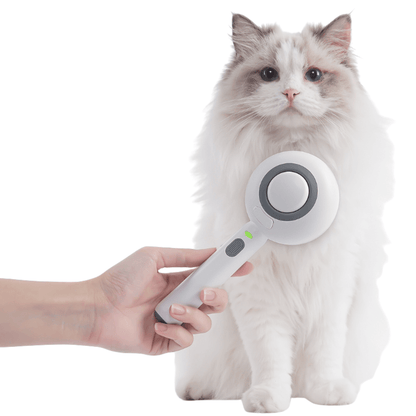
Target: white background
x,y
100,105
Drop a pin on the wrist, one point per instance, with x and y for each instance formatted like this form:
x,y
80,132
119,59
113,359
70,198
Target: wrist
x,y
65,312
41,313
100,307
78,313
103,330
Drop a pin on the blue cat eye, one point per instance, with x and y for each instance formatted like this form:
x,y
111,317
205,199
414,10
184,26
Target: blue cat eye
x,y
313,75
269,74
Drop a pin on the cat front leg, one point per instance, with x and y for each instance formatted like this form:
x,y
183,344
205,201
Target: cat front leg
x,y
268,340
324,381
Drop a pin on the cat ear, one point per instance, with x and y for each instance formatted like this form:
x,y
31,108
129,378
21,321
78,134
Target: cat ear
x,y
338,34
246,35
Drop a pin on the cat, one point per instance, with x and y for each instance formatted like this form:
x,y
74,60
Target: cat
x,y
307,321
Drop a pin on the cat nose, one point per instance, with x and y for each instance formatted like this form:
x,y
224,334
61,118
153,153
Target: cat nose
x,y
290,94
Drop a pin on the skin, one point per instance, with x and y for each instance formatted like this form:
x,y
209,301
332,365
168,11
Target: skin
x,y
112,311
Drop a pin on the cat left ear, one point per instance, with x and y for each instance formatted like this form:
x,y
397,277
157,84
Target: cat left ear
x,y
338,34
246,36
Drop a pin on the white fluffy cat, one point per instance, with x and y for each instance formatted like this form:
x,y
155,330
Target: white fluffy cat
x,y
307,321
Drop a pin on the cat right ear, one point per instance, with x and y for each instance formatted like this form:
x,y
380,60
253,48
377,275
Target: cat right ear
x,y
246,36
338,34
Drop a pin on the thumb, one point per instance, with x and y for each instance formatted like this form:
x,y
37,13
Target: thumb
x,y
181,257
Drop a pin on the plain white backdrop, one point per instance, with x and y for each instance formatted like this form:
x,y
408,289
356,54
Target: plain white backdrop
x,y
100,106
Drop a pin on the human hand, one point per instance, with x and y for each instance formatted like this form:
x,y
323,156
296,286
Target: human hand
x,y
127,294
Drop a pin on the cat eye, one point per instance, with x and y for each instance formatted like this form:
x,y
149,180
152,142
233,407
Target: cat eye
x,y
269,74
313,75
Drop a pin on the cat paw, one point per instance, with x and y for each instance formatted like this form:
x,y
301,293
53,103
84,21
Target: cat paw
x,y
265,399
194,393
332,392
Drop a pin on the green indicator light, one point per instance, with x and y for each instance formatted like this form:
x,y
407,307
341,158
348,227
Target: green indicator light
x,y
248,234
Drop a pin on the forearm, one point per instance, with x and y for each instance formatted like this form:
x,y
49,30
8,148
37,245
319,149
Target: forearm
x,y
39,313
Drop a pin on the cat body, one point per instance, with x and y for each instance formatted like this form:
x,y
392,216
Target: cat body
x,y
307,321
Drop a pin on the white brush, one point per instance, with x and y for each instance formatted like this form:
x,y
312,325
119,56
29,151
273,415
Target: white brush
x,y
291,198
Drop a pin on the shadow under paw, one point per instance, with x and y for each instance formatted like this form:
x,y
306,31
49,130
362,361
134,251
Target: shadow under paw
x,y
192,396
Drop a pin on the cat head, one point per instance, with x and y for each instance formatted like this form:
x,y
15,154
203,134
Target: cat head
x,y
284,79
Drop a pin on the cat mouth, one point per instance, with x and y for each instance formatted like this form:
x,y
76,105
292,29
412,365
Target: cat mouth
x,y
291,110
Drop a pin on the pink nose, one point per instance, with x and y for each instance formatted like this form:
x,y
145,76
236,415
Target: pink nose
x,y
290,94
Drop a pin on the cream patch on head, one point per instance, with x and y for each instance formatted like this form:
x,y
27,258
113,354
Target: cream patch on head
x,y
289,56
291,63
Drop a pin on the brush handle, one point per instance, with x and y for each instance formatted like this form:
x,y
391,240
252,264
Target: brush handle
x,y
214,272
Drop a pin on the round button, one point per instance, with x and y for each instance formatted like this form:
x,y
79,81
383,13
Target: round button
x,y
287,192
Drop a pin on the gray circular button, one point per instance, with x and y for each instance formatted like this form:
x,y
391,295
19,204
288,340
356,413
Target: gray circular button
x,y
277,170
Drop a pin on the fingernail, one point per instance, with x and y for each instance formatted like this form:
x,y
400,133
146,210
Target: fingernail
x,y
209,294
178,309
161,327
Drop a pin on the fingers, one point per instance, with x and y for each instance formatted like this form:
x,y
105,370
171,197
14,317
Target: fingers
x,y
186,257
246,268
195,321
214,300
178,277
178,257
180,337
